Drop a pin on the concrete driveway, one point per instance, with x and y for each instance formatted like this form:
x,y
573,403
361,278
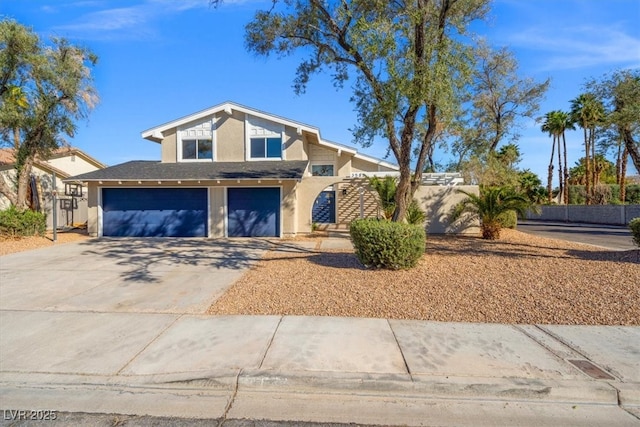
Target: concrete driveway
x,y
126,275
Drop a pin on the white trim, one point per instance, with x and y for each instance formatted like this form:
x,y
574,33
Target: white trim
x,y
100,212
376,161
179,141
248,136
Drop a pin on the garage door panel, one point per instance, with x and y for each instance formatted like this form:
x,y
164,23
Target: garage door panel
x,y
154,212
244,223
165,223
253,212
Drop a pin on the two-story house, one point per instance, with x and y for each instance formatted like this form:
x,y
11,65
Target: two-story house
x,y
232,171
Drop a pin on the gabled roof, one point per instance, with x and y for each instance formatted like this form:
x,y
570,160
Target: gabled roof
x,y
146,170
155,133
7,157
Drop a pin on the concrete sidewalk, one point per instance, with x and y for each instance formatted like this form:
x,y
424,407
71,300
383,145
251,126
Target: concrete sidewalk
x,y
320,369
122,335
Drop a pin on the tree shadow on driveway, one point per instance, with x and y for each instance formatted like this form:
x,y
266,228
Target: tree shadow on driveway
x,y
145,258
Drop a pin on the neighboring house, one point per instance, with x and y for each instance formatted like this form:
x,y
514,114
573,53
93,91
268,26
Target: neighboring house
x,y
64,163
233,171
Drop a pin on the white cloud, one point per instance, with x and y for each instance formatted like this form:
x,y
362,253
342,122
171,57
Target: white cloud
x,y
579,47
131,22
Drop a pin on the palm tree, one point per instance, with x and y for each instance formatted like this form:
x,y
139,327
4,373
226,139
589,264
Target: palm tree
x,y
587,111
556,124
489,206
548,126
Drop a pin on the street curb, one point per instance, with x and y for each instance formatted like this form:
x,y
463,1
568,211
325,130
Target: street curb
x,y
334,383
432,387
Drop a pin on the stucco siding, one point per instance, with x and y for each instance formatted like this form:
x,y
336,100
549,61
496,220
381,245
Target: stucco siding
x,y
289,209
230,138
72,164
169,147
360,165
92,209
216,211
343,165
438,201
293,145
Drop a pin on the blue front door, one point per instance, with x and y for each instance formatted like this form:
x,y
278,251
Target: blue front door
x,y
324,208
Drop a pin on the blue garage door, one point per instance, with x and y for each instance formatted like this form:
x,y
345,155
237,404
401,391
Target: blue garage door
x,y
253,212
154,212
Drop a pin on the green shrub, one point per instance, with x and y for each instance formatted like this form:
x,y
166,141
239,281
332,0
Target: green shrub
x,y
577,195
508,219
415,215
14,222
385,244
633,194
634,225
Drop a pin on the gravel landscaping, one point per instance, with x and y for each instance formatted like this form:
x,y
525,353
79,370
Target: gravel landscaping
x,y
518,279
9,245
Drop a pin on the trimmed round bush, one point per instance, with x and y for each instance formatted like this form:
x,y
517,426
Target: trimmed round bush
x,y
634,225
386,244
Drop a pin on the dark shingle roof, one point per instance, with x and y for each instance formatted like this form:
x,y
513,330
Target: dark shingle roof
x,y
154,170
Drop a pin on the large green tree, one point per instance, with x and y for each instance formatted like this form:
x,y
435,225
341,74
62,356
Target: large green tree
x,y
499,97
44,89
495,102
620,94
411,60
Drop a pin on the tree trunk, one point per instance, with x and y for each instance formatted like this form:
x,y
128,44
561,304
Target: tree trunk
x,y
403,191
550,174
565,179
633,148
23,180
587,166
560,174
594,167
623,172
618,164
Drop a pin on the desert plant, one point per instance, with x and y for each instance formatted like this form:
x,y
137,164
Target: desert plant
x,y
509,219
634,225
15,222
489,206
386,189
386,244
415,215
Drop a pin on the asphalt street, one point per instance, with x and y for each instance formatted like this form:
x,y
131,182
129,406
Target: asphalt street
x,y
607,236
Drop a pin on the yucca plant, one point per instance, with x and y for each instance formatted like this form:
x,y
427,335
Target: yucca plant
x,y
489,206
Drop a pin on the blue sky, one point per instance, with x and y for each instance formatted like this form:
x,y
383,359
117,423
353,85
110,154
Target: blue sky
x,y
164,59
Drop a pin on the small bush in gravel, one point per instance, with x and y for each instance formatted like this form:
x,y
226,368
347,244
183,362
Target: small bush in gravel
x,y
509,219
385,244
14,222
415,215
634,225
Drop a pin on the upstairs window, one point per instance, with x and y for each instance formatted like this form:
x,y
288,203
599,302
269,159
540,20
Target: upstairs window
x,y
322,170
197,149
266,148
